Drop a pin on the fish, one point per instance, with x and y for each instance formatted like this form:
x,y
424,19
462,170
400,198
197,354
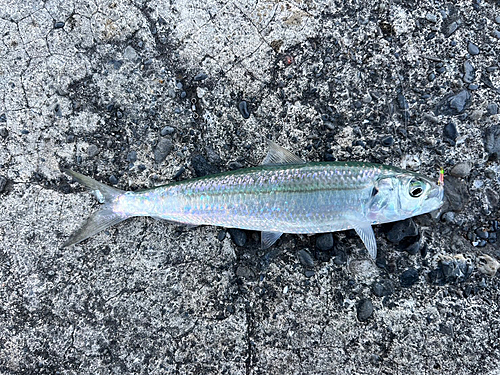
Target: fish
x,y
284,194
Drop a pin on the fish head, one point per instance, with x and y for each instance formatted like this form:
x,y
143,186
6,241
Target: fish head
x,y
404,194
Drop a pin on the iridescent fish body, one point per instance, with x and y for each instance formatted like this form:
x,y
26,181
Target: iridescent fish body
x,y
284,195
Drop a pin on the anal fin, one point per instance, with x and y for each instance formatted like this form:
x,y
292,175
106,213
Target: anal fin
x,y
268,239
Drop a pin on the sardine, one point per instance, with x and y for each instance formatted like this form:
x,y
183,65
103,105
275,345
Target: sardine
x,y
283,195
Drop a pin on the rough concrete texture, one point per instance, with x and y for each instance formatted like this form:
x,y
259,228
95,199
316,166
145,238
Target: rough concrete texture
x,y
138,92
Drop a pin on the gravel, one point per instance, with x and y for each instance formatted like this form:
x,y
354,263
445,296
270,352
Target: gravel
x,y
364,309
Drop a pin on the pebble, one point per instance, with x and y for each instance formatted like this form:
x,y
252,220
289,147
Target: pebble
x,y
4,132
482,233
431,17
244,271
238,236
340,258
59,25
309,273
496,34
3,183
461,169
324,242
408,277
456,193
487,265
383,288
129,53
431,77
473,49
401,230
364,309
202,167
243,108
305,258
448,217
162,149
92,151
454,104
113,180
450,133
200,77
3,117
492,109
469,72
451,28
167,130
183,94
473,87
492,141
452,270
221,235
492,197
497,19
402,102
132,156
387,141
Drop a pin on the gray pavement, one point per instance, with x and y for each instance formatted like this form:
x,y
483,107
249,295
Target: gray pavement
x,y
137,93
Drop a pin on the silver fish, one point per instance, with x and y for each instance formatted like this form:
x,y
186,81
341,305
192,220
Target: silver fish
x,y
283,195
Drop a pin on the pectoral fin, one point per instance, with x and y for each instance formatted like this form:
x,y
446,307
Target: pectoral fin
x,y
267,239
278,155
365,232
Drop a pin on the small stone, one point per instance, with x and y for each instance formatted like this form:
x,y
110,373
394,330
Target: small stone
x,y
408,277
402,102
113,180
487,265
450,133
167,130
496,34
456,193
383,288
243,108
453,105
4,133
221,235
309,273
492,141
59,25
238,236
473,49
305,258
497,19
448,217
200,77
162,149
202,167
387,141
492,197
92,151
129,53
449,29
324,242
3,183
431,17
469,72
245,272
461,169
340,258
402,230
132,156
3,117
482,233
183,94
364,309
492,109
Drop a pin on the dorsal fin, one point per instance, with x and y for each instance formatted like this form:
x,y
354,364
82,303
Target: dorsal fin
x,y
279,155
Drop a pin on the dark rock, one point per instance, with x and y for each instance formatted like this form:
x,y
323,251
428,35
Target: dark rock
x,y
132,156
309,273
492,141
200,77
162,149
387,141
238,236
221,235
340,258
3,183
4,132
496,34
469,72
492,197
413,248
401,230
113,180
456,193
324,241
364,309
243,108
59,25
402,102
408,277
461,169
450,133
202,167
3,117
167,130
453,105
492,109
305,258
92,151
383,288
473,49
482,233
450,271
449,28
245,272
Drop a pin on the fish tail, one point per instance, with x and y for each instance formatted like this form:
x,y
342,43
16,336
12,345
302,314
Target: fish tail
x,y
101,219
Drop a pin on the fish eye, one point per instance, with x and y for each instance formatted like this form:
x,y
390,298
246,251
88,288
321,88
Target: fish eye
x,y
416,189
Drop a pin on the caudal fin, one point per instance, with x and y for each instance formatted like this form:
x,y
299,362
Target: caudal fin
x,y
101,219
